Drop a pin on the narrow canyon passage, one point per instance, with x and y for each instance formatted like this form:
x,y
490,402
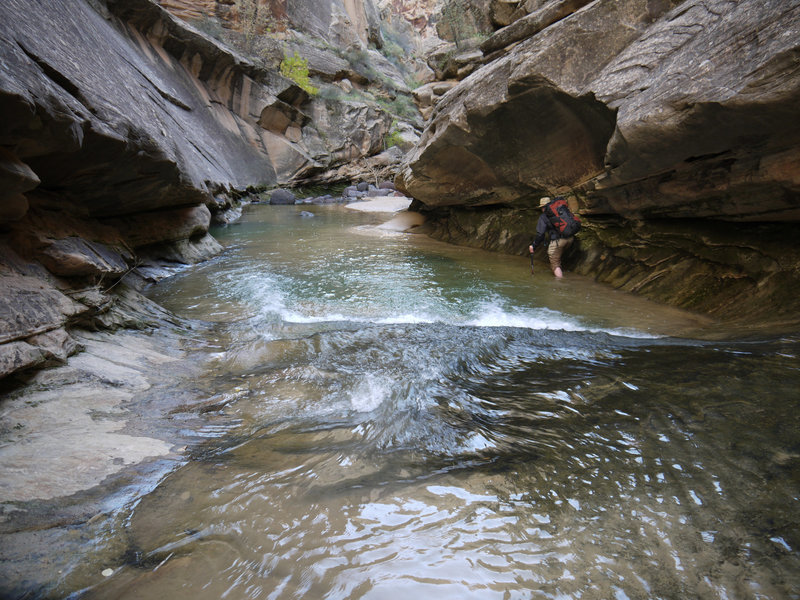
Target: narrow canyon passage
x,y
397,416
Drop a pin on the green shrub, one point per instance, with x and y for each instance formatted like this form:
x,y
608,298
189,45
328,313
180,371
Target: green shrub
x,y
392,139
296,68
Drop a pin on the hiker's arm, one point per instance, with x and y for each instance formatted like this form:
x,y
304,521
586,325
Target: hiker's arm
x,y
541,229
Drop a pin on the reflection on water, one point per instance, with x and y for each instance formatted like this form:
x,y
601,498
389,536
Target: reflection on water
x,y
406,419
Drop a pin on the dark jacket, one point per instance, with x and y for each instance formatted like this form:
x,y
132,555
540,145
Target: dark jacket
x,y
542,227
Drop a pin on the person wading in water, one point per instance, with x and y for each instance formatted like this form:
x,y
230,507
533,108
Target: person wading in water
x,y
557,220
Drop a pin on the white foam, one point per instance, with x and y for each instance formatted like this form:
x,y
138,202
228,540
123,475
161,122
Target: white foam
x,y
538,319
266,292
370,393
494,315
406,319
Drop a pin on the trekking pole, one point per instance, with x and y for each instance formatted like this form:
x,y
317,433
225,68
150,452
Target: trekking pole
x,y
532,250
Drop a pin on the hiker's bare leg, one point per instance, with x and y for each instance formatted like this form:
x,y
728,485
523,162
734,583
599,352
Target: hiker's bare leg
x,y
554,252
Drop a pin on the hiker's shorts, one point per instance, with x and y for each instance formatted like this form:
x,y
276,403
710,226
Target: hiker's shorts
x,y
556,249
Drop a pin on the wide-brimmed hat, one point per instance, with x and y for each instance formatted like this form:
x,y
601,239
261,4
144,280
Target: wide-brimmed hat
x,y
544,201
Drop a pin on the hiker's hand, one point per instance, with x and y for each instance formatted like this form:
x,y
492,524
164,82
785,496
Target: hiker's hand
x,y
530,249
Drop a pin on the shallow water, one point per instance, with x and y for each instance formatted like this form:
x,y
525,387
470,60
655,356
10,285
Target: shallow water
x,y
401,418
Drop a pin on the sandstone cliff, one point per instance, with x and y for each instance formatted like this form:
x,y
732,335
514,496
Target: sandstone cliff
x,y
670,123
124,129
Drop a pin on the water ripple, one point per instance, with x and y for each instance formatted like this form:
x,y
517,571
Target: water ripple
x,y
405,423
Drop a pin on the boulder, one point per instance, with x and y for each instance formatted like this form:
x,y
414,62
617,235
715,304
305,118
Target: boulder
x,y
326,199
606,116
440,60
391,157
323,63
428,96
503,12
464,21
19,356
76,257
55,346
345,85
652,113
522,27
282,196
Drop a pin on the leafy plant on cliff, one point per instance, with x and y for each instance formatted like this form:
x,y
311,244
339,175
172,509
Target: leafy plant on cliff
x,y
394,137
295,67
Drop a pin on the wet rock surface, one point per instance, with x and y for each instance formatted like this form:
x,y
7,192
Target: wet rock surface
x,y
128,133
671,118
79,441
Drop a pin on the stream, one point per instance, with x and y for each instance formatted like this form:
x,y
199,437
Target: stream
x,y
392,417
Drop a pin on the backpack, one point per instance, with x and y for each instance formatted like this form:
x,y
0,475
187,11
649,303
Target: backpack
x,y
561,218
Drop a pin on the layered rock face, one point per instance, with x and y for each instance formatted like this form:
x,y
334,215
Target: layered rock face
x,y
419,13
195,10
339,22
225,11
122,131
665,121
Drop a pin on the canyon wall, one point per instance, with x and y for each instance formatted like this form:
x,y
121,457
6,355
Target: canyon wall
x,y
674,127
124,133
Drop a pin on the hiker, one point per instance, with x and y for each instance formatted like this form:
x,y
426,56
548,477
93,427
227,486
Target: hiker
x,y
557,220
